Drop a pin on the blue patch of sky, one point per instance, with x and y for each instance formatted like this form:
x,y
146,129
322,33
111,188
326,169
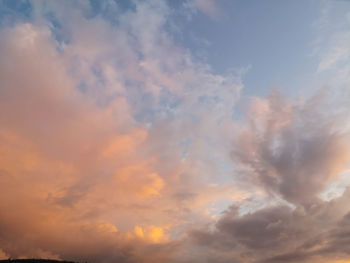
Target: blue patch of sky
x,y
61,36
110,10
82,87
272,37
168,101
12,11
144,111
150,109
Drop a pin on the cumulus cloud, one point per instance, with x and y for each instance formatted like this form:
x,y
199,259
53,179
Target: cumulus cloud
x,y
117,145
292,150
96,113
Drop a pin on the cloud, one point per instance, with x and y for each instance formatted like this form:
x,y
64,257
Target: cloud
x,y
208,7
281,233
117,145
338,52
94,114
293,149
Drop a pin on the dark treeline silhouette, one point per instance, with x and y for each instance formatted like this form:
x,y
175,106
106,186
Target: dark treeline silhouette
x,y
33,260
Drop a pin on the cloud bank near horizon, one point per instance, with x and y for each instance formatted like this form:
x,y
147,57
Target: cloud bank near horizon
x,y
118,145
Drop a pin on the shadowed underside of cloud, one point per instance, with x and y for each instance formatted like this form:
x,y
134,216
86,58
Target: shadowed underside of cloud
x,y
113,139
282,234
292,151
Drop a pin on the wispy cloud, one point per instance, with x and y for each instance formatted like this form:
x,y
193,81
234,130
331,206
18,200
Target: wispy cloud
x,y
116,144
209,7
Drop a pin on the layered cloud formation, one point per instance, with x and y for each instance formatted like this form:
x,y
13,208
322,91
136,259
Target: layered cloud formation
x,y
118,145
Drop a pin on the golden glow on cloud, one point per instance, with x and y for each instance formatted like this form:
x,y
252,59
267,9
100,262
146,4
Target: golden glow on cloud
x,y
116,145
107,227
125,145
154,187
152,234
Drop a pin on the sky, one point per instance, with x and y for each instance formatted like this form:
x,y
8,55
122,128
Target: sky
x,y
188,131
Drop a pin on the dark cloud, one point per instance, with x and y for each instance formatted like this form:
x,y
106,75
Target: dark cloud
x,y
282,233
293,149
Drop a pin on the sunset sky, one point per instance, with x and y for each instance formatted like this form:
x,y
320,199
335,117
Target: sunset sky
x,y
179,131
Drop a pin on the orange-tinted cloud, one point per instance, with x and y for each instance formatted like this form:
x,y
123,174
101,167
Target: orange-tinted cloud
x,y
116,146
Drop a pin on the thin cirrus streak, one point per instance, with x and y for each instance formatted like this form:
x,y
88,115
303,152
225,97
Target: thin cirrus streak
x,y
118,144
